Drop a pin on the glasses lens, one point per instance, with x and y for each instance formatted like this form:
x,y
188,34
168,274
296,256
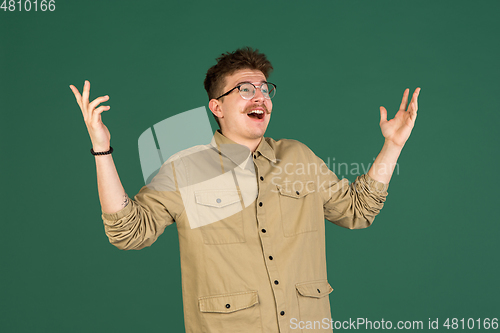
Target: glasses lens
x,y
247,91
265,90
268,89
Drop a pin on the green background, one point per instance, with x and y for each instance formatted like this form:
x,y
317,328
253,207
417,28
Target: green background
x,y
431,253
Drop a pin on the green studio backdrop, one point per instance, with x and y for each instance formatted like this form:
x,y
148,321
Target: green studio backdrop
x,y
431,253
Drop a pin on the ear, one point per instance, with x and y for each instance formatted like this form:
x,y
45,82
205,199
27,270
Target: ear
x,y
215,107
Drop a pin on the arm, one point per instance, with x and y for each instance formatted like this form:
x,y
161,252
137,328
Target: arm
x,y
111,192
129,224
355,205
396,131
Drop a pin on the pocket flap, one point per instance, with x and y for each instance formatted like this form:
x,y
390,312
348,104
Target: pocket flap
x,y
297,189
229,302
315,289
217,198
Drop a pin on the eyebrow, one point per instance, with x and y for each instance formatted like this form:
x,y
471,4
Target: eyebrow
x,y
237,84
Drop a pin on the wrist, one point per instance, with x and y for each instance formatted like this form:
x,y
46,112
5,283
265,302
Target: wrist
x,y
392,146
100,148
101,152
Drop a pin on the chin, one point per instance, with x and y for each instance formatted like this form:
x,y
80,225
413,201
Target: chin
x,y
258,134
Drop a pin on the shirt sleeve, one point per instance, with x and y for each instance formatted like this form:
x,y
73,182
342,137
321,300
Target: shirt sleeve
x,y
350,205
144,218
355,205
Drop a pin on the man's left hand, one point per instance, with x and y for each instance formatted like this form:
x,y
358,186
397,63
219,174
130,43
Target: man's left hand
x,y
398,129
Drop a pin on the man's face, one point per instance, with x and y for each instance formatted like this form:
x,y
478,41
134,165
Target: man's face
x,y
236,119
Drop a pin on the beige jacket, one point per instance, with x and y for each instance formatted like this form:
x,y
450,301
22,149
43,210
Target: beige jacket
x,y
251,231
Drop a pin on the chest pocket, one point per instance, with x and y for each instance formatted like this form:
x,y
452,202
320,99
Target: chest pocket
x,y
221,213
314,304
236,312
299,208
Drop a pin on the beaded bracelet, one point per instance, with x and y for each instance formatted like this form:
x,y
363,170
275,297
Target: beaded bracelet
x,y
102,152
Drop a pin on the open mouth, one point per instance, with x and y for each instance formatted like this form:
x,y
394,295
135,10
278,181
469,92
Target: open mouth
x,y
256,114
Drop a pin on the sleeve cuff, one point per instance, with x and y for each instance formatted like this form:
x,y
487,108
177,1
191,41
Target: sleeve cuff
x,y
119,214
375,185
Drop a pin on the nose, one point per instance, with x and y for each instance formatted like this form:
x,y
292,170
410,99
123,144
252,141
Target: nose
x,y
258,96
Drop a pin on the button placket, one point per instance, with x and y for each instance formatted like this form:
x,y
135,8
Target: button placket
x,y
266,237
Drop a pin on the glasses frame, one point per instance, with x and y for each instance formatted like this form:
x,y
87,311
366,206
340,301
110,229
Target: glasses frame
x,y
255,90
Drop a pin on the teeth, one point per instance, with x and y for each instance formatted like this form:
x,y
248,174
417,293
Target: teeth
x,y
257,111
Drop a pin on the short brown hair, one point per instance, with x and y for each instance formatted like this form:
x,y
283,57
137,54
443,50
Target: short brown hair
x,y
228,63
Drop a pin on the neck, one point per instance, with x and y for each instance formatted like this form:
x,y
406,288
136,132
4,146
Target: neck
x,y
252,144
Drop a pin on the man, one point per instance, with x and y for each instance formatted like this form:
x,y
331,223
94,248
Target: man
x,y
249,210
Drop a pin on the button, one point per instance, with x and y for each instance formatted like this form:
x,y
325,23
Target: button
x,y
319,292
218,200
271,258
276,282
263,230
260,204
228,306
297,192
282,313
261,178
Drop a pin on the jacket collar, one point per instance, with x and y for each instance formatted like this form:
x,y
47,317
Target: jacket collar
x,y
238,153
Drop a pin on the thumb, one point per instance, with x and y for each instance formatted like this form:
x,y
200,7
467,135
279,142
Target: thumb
x,y
383,114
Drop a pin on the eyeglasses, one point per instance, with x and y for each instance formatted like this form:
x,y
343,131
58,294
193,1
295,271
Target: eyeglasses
x,y
248,90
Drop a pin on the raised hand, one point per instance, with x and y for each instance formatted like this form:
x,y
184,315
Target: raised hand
x,y
398,129
99,133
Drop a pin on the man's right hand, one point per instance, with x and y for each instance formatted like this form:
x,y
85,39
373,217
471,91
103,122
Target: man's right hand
x,y
99,133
